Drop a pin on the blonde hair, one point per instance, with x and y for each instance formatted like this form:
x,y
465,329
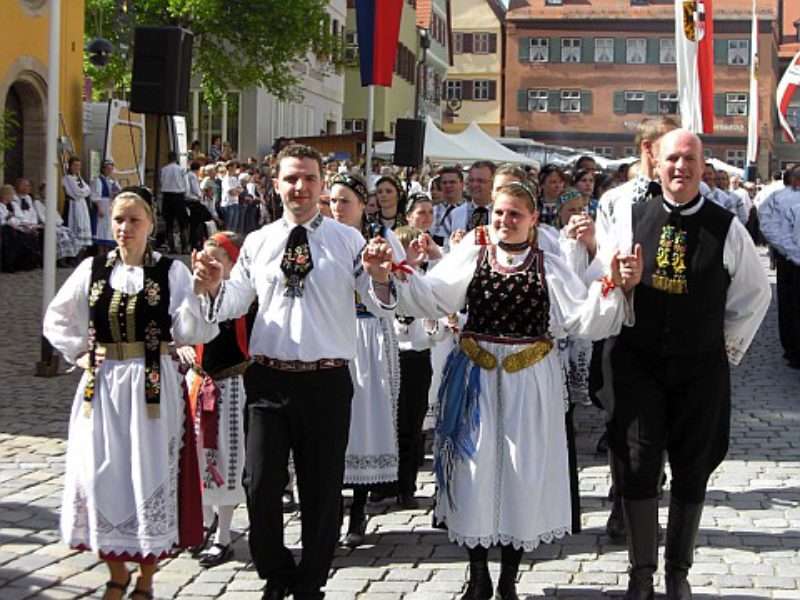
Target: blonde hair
x,y
7,189
407,234
136,199
520,191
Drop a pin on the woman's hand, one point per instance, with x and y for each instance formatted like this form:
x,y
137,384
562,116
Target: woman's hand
x,y
626,271
432,250
207,277
585,232
186,355
377,259
457,236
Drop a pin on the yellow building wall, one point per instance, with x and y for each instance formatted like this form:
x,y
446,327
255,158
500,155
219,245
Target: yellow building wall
x,y
24,31
472,16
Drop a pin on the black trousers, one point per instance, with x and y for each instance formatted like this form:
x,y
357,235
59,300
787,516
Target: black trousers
x,y
680,405
174,208
309,414
415,382
788,286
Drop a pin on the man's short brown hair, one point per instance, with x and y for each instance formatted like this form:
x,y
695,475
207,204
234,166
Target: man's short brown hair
x,y
653,128
299,151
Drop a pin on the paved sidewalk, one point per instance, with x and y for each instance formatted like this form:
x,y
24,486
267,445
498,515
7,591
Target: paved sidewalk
x,y
749,543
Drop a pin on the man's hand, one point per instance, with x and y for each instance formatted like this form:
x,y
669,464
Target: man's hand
x,y
207,274
585,232
377,259
626,271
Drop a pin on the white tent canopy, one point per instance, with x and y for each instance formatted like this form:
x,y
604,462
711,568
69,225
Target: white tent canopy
x,y
470,145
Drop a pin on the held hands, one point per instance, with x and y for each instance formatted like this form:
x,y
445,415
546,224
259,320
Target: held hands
x,y
207,277
377,259
186,355
626,270
457,236
426,248
581,227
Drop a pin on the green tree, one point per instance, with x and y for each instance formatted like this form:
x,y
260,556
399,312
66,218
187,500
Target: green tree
x,y
237,43
8,127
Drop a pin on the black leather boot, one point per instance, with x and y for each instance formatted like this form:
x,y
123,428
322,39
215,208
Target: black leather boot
x,y
356,529
509,567
480,582
642,521
615,526
682,526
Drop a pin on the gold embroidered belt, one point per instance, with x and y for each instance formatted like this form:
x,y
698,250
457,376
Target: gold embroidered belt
x,y
233,371
299,366
527,357
126,350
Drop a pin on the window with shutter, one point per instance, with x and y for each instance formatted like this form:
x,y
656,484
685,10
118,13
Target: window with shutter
x,y
539,49
719,105
620,50
653,51
453,89
619,103
555,44
553,101
720,52
492,43
480,89
522,100
636,51
651,103
587,50
570,50
634,102
668,103
604,50
524,49
735,105
570,101
537,100
467,43
466,90
480,43
738,53
492,90
666,51
586,101
458,42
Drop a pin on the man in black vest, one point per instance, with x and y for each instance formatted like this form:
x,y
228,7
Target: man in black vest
x,y
702,297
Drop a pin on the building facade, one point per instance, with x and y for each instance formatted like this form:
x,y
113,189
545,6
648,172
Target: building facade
x,y
23,82
251,120
585,75
474,87
435,56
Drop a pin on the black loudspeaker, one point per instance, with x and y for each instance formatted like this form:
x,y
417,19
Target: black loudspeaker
x,y
409,142
751,173
162,62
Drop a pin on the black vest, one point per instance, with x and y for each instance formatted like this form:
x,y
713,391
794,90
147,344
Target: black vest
x,y
681,324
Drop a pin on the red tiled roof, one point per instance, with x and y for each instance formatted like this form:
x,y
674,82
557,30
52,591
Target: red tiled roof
x,y
424,10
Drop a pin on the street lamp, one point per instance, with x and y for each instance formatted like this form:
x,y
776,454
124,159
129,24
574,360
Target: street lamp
x,y
424,43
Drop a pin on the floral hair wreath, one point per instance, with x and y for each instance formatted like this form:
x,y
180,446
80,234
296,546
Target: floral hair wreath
x,y
353,183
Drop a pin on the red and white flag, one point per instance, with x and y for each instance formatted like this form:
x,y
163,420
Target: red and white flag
x,y
694,53
786,89
752,115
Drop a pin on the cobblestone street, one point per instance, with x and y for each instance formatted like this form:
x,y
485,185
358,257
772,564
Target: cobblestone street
x,y
748,547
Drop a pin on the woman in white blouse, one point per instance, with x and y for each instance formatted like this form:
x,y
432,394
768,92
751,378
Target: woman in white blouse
x,y
501,450
77,191
114,317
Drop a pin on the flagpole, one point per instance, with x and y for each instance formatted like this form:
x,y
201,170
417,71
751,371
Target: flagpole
x,y
370,118
752,117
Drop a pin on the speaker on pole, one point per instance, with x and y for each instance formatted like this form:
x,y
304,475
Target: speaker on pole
x,y
162,62
409,142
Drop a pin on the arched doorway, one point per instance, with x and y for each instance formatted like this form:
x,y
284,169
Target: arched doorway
x,y
25,101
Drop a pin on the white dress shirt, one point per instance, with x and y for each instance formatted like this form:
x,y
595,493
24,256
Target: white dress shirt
x,y
192,186
321,323
230,182
172,179
774,218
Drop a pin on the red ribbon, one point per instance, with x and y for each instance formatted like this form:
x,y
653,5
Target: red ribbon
x,y
608,285
403,267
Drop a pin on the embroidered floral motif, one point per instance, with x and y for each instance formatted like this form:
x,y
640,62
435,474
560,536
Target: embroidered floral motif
x,y
152,292
152,333
111,258
96,291
670,275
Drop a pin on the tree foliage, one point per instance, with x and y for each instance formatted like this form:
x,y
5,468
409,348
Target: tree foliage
x,y
237,43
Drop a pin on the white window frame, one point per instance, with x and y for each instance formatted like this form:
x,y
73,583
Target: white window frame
x,y
571,50
570,101
480,90
454,89
541,45
538,100
666,51
735,104
634,96
480,42
604,55
554,2
458,42
630,151
738,53
636,48
671,98
737,158
605,151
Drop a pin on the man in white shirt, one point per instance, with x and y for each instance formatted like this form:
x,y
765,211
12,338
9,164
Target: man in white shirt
x,y
701,299
775,221
303,270
469,215
173,202
452,185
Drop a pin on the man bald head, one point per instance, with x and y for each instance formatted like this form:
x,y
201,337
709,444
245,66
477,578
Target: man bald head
x,y
680,165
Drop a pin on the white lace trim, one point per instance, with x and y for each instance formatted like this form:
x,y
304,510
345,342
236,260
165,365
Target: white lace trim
x,y
370,478
508,540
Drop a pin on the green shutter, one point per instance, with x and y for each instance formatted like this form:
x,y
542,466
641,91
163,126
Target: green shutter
x,y
554,101
555,49
587,50
619,103
620,51
586,101
522,100
720,105
720,52
653,51
651,103
524,49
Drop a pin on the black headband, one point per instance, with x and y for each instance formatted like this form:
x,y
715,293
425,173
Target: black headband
x,y
518,185
354,184
415,199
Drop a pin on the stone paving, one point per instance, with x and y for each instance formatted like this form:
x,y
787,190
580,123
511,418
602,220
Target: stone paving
x,y
749,542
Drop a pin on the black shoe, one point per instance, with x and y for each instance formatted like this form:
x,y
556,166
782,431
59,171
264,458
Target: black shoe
x,y
507,584
356,532
274,594
207,533
407,501
642,521
376,497
480,583
682,526
212,559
